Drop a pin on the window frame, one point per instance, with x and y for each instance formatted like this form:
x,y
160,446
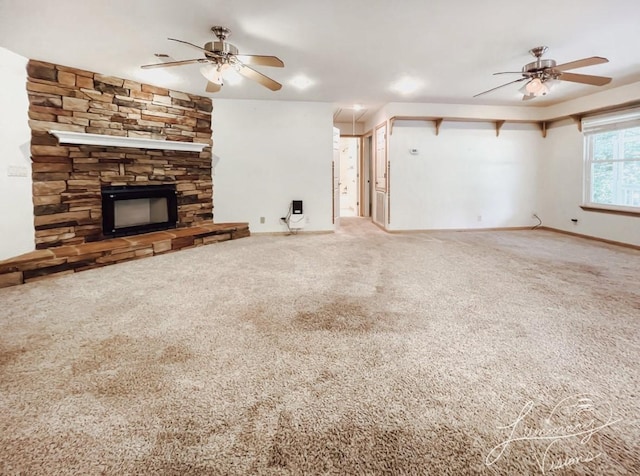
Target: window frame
x,y
592,126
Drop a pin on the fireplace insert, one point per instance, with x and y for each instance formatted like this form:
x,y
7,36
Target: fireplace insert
x,y
131,210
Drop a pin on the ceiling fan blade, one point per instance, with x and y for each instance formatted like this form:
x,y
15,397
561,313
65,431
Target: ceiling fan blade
x,y
581,63
498,87
527,97
213,87
251,73
207,52
511,72
174,63
585,79
261,60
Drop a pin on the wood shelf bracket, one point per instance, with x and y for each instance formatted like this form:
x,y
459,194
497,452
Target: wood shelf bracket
x,y
438,123
543,128
577,118
499,125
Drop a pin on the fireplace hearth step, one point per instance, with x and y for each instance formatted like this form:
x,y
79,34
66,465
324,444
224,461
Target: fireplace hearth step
x,y
69,259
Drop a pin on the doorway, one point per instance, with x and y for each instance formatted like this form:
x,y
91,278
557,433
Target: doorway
x,y
349,174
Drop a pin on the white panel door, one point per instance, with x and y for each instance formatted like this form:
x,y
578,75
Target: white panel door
x,y
381,157
381,179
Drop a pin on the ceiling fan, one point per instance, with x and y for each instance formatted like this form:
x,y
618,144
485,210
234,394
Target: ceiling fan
x,y
220,56
541,72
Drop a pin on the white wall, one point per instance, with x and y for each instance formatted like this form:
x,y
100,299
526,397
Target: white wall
x,y
502,180
561,188
16,206
267,153
465,177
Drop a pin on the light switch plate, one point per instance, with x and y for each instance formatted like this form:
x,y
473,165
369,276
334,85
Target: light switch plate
x,y
17,171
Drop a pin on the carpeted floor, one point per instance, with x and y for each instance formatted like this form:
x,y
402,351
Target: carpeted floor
x,y
358,352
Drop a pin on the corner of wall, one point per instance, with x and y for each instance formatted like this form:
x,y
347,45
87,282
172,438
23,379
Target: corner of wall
x,y
16,207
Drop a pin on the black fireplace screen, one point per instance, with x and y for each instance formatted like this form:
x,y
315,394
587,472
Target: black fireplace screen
x,y
131,210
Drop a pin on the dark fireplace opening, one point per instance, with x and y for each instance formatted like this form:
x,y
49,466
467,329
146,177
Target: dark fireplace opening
x,y
131,210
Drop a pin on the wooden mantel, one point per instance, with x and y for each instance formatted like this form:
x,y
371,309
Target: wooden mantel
x,y
67,137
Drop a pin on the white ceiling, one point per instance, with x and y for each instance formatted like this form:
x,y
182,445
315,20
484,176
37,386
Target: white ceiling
x,y
352,50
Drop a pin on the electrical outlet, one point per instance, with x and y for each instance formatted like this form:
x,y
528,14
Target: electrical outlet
x,y
262,220
479,217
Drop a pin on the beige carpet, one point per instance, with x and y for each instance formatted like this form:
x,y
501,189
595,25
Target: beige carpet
x,y
358,352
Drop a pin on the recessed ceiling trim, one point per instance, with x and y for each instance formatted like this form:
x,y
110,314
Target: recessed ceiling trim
x,y
362,113
66,137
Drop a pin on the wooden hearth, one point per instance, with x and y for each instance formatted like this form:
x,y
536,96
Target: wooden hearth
x,y
70,259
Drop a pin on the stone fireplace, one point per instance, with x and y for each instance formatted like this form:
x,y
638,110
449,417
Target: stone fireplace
x,y
121,171
69,178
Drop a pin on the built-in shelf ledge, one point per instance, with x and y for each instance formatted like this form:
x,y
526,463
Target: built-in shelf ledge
x,y
66,137
543,124
439,120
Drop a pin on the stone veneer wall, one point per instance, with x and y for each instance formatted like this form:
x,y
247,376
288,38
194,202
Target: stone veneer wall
x,y
67,178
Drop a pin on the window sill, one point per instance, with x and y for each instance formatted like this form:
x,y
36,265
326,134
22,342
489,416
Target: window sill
x,y
614,211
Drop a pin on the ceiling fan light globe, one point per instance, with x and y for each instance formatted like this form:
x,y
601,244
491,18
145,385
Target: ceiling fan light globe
x,y
534,86
212,73
544,90
232,76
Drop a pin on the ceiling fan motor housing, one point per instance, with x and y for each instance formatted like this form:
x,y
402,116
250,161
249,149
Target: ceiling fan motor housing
x,y
542,69
538,66
221,48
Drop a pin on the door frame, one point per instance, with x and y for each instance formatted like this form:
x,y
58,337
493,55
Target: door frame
x,y
358,171
381,202
366,177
